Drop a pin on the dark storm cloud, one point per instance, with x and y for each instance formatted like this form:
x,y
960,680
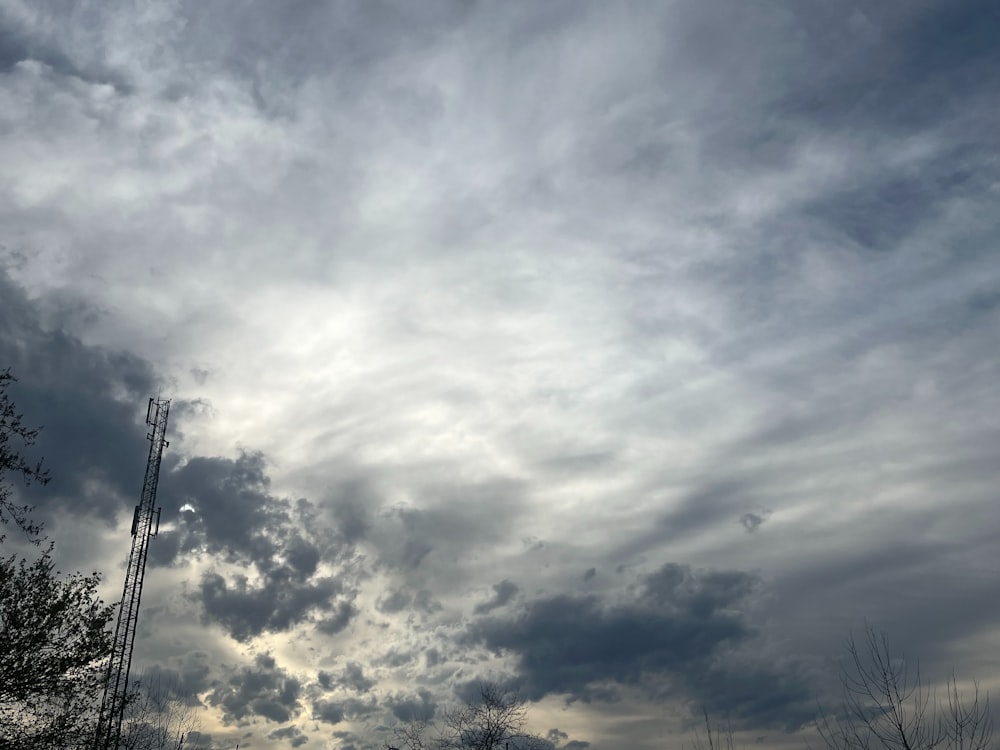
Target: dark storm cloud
x,y
503,592
247,610
754,695
343,613
302,557
235,514
263,690
881,212
895,65
680,625
185,681
418,707
870,79
329,711
904,582
15,48
90,402
236,518
19,45
354,678
761,80
293,735
334,712
355,708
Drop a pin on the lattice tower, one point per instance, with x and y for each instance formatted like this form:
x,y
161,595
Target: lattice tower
x,y
145,525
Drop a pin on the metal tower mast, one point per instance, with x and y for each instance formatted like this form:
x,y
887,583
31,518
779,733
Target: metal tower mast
x,y
109,723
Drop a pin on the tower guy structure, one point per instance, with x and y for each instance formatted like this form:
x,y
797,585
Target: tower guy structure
x,y
145,525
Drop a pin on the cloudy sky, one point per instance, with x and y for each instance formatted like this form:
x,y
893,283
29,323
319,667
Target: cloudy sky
x,y
631,354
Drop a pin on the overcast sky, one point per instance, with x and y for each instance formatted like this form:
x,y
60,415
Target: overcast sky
x,y
628,353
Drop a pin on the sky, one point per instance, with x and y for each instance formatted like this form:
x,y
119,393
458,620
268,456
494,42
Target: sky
x,y
632,355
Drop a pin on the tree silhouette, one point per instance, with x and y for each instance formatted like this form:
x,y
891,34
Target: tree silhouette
x,y
886,706
53,640
53,628
158,715
496,721
14,438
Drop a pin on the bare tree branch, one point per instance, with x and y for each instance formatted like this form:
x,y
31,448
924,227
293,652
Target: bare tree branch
x,y
496,721
158,716
886,706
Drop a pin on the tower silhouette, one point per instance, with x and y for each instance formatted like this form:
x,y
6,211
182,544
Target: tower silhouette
x,y
109,722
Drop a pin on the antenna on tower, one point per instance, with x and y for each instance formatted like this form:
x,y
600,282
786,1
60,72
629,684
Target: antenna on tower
x,y
109,722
